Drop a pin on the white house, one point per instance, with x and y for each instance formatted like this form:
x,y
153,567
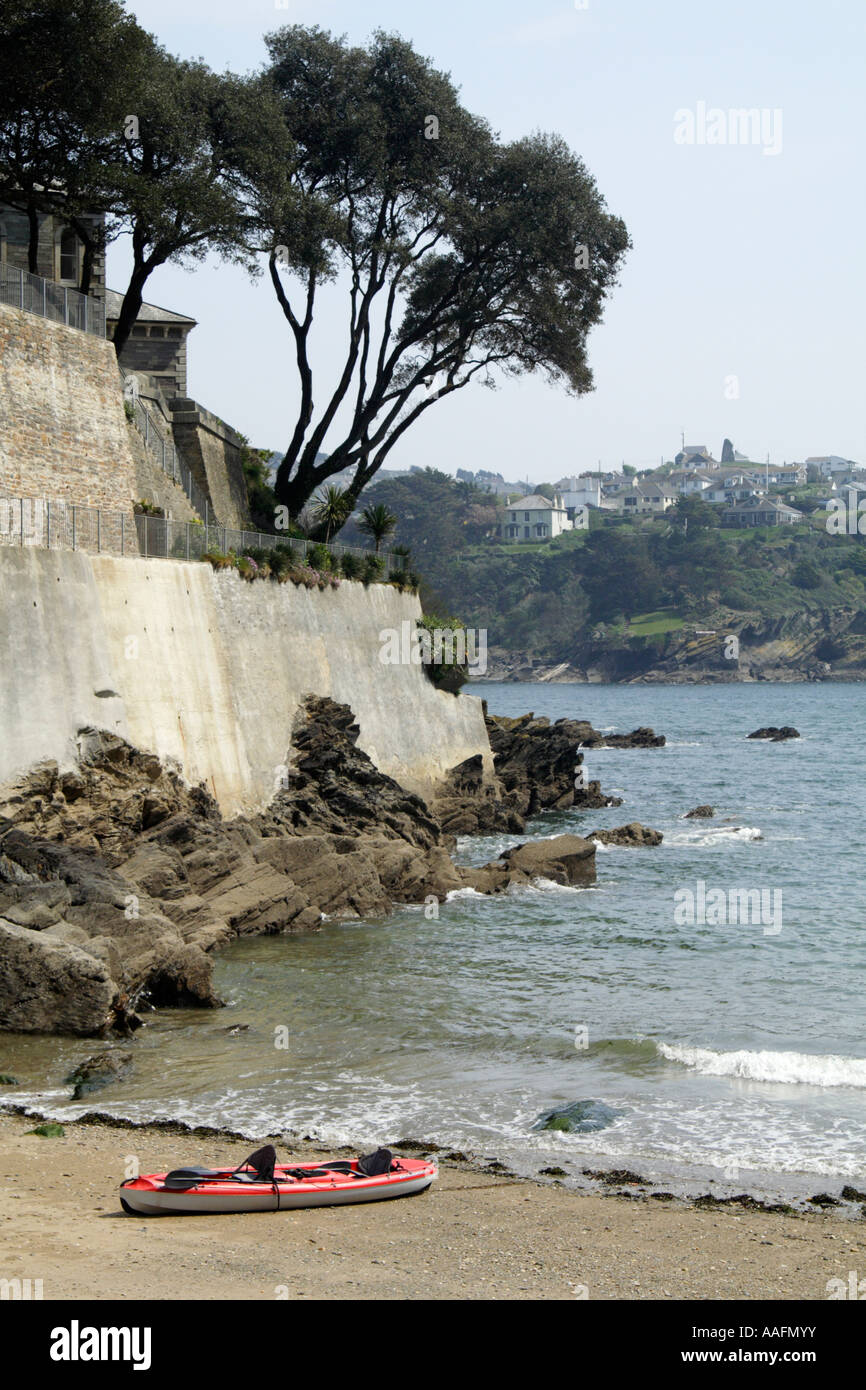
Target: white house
x,y
584,491
830,464
535,518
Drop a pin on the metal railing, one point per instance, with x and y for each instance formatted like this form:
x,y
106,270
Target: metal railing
x,y
36,295
61,525
160,447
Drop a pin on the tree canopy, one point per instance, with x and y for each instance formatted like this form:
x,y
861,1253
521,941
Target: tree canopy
x,y
461,255
96,116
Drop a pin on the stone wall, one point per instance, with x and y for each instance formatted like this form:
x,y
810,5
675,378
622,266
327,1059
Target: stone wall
x,y
209,670
63,430
211,449
152,483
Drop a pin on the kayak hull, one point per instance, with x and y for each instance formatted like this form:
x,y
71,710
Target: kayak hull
x,y
145,1196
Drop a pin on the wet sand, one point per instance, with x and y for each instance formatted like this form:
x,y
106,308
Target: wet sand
x,y
474,1235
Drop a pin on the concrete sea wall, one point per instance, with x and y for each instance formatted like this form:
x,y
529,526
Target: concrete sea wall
x,y
207,669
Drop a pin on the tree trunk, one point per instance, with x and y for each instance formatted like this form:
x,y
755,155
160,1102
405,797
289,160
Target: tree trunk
x,y
132,302
33,239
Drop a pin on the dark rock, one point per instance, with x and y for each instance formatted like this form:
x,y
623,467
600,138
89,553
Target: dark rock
x,y
6,1080
700,813
553,1172
638,738
633,836
851,1194
537,764
581,1117
98,1071
823,1199
776,735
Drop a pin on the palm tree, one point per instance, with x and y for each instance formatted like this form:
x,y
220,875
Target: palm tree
x,y
402,552
377,523
330,509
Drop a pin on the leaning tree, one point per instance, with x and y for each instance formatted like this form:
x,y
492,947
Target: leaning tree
x,y
187,172
461,256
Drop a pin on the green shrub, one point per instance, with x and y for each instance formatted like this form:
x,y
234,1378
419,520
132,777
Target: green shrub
x,y
320,558
806,575
373,569
351,565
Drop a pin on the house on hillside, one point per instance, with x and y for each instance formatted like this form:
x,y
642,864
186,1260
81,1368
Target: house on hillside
x,y
761,511
695,456
584,491
790,474
535,518
828,464
647,497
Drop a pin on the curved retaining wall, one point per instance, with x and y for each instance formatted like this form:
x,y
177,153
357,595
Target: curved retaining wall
x,y
207,669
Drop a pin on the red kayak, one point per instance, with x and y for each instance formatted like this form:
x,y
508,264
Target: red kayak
x,y
334,1183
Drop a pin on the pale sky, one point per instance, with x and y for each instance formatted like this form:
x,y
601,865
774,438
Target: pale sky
x,y
740,308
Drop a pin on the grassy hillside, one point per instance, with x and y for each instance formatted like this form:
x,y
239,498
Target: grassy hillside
x,y
636,582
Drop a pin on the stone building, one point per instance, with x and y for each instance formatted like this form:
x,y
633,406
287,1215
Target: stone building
x,y
60,253
156,346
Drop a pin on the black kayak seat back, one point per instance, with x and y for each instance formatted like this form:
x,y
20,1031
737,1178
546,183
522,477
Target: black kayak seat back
x,y
259,1167
375,1164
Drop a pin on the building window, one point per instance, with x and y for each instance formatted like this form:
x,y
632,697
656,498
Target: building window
x,y
526,531
526,516
68,256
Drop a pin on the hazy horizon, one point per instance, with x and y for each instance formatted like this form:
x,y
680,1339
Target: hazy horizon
x,y
738,313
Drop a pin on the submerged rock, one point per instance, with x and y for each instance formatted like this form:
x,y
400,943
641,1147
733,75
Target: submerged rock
x,y
580,1117
98,1071
700,813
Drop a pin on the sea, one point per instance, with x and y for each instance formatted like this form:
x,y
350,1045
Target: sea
x,y
696,1016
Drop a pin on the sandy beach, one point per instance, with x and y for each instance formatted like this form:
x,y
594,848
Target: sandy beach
x,y
473,1236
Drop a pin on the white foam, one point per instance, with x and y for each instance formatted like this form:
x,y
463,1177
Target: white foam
x,y
707,838
788,1068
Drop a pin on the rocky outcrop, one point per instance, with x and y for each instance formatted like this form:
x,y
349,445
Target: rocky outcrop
x,y
776,735
565,859
638,738
632,836
117,880
538,767
50,986
700,813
